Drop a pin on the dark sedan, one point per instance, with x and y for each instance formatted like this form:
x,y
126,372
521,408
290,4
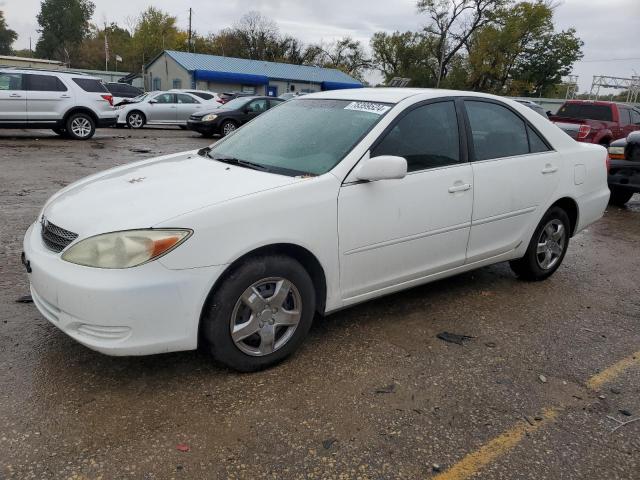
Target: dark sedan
x,y
226,118
624,169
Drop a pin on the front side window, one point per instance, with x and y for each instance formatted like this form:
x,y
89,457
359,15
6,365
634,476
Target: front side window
x,y
165,98
427,137
497,132
182,98
11,81
302,136
258,106
44,83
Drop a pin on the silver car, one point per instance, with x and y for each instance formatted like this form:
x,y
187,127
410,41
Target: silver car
x,y
159,108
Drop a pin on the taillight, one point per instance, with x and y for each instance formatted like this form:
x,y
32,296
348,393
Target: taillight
x,y
584,131
108,98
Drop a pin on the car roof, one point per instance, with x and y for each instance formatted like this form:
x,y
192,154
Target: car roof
x,y
392,95
62,73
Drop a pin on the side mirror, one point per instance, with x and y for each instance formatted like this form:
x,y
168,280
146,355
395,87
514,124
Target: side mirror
x,y
152,101
383,167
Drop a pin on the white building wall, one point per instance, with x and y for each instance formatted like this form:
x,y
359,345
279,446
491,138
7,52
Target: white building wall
x,y
168,71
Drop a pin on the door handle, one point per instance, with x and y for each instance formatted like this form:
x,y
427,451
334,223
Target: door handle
x,y
65,96
549,169
15,95
460,188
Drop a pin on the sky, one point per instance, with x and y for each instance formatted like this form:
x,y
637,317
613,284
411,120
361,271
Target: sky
x,y
610,29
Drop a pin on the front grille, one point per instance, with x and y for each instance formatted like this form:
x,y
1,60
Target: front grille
x,y
55,237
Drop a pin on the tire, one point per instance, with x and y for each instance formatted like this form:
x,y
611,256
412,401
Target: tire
x,y
259,280
228,127
80,126
533,266
136,119
619,197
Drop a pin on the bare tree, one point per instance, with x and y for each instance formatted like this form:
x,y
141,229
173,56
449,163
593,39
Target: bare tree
x,y
257,34
453,22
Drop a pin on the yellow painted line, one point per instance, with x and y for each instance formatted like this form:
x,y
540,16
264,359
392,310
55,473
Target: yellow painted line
x,y
613,371
500,445
474,461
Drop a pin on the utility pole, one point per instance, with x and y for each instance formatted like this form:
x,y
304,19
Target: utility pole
x,y
189,29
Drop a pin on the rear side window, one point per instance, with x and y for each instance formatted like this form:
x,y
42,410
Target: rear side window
x,y
204,96
586,112
536,144
11,81
274,103
427,137
44,83
497,132
182,98
91,85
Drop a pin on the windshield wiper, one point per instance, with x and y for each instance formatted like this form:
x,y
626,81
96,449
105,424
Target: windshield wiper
x,y
237,161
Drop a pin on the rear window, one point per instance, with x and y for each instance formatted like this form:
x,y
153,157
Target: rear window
x,y
91,85
586,112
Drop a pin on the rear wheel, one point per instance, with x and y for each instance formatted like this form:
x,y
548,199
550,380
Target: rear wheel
x,y
136,119
619,198
80,126
547,247
260,314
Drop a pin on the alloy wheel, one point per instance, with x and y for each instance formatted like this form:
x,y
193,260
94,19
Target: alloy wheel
x,y
136,120
228,128
81,127
551,244
266,316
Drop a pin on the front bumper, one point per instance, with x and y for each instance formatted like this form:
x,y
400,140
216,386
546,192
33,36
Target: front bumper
x,y
137,311
624,175
208,128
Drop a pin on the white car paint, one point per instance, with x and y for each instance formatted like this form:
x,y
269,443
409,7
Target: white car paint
x,y
371,239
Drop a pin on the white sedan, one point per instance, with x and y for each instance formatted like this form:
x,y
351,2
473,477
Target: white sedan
x,y
160,108
322,203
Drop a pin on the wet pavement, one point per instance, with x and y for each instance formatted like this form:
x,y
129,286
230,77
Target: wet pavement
x,y
372,393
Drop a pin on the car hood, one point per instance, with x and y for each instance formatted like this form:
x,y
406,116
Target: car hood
x,y
146,193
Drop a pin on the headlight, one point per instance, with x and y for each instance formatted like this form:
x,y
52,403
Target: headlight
x,y
125,249
210,117
616,150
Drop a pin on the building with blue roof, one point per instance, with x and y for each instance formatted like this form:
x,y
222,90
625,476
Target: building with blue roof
x,y
171,69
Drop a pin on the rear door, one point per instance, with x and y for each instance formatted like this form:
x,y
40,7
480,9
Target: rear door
x,y
187,105
515,173
13,98
47,97
162,109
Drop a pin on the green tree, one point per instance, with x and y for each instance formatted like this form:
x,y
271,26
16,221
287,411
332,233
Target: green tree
x,y
7,36
407,54
63,26
154,32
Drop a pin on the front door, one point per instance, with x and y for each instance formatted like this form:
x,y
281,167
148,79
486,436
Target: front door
x,y
255,108
13,98
163,109
515,174
393,232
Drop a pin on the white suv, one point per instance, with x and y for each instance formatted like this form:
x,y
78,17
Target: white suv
x,y
70,104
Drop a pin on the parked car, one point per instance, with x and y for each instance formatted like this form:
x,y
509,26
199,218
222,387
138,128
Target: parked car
x,y
159,108
121,91
203,94
534,106
227,118
324,202
624,169
70,104
227,97
597,122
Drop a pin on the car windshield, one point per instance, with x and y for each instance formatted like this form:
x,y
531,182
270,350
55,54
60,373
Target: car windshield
x,y
302,136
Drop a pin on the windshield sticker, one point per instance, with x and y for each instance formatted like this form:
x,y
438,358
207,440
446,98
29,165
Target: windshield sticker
x,y
377,108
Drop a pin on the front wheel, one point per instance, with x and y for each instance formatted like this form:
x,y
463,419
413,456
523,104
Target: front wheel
x,y
260,314
547,247
228,127
136,119
619,198
80,126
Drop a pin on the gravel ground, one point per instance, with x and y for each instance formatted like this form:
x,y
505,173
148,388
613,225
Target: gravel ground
x,y
372,393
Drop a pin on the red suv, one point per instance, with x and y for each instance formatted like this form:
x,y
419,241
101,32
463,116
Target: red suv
x,y
597,122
